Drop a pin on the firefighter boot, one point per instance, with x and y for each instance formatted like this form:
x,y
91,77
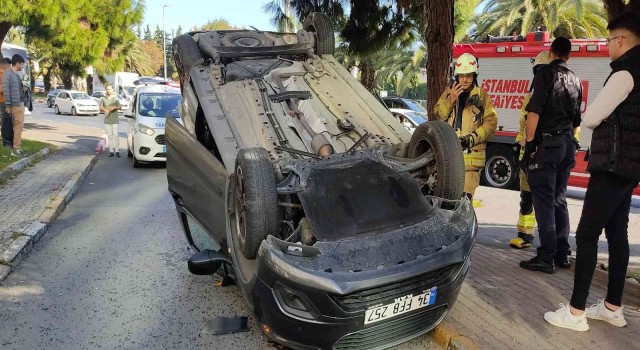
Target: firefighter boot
x,y
523,241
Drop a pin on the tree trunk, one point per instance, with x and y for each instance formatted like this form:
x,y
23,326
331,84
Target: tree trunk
x,y
4,29
439,36
367,76
617,7
46,77
67,79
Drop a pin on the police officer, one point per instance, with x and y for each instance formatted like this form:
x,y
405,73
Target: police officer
x,y
469,110
526,217
552,115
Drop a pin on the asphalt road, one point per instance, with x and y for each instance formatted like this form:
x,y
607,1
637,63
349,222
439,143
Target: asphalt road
x,y
111,271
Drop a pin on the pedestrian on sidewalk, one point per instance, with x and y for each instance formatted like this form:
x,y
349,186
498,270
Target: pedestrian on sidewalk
x,y
6,123
553,114
14,100
526,216
110,105
469,110
614,165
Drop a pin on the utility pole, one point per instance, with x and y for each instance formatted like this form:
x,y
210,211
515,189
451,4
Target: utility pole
x,y
164,42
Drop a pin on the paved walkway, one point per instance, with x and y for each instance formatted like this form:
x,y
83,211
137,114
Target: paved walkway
x,y
24,198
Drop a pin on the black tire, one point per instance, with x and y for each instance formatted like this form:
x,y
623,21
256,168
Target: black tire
x,y
74,111
129,154
49,105
246,39
56,109
255,200
501,169
438,137
136,163
186,53
320,24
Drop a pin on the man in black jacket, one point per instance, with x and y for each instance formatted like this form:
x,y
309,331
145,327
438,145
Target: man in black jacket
x,y
614,165
553,113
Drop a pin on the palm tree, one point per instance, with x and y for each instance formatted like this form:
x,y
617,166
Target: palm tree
x,y
138,60
572,18
288,14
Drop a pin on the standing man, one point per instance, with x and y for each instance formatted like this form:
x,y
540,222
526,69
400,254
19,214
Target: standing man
x,y
552,115
110,105
614,165
6,124
526,217
469,110
14,100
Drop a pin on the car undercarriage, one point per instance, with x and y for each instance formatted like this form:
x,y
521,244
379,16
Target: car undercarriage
x,y
329,215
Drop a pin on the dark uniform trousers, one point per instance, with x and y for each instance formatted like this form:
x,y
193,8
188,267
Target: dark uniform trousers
x,y
548,176
6,127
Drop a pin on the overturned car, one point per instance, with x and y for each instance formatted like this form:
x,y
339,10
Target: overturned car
x,y
342,230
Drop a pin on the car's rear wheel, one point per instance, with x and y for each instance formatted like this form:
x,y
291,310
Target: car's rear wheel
x,y
49,104
74,111
246,39
255,200
56,109
320,24
443,177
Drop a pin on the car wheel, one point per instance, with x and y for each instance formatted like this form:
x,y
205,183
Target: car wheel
x,y
56,109
443,177
136,163
49,104
186,53
500,170
246,39
320,24
73,111
255,200
129,154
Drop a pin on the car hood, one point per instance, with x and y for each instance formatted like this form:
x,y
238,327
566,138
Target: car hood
x,y
155,122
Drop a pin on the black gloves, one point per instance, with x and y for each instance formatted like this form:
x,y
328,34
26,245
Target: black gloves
x,y
529,152
466,141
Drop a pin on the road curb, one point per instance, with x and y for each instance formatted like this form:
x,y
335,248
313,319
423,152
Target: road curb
x,y
447,337
21,246
15,168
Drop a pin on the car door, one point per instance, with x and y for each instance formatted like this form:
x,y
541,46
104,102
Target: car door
x,y
62,102
197,180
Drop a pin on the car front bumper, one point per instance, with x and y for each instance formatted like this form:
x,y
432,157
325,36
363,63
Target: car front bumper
x,y
335,302
87,110
150,148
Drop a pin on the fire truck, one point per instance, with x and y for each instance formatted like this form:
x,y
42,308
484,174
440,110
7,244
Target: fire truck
x,y
505,72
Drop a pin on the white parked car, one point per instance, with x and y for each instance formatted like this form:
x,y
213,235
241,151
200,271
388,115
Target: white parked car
x,y
98,95
409,118
150,107
75,103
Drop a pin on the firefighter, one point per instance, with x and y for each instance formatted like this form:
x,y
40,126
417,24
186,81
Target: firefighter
x,y
469,110
553,114
526,218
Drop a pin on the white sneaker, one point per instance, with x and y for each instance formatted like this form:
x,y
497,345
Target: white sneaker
x,y
565,319
600,312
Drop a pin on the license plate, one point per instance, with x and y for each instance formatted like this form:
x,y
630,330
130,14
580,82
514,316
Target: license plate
x,y
400,306
164,149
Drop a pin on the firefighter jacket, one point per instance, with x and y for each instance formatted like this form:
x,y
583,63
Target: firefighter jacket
x,y
479,119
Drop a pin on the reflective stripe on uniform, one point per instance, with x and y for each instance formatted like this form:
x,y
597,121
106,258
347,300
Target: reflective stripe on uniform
x,y
527,223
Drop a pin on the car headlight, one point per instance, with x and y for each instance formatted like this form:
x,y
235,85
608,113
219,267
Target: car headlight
x,y
146,130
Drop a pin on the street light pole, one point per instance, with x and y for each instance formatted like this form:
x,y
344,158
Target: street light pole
x,y
164,43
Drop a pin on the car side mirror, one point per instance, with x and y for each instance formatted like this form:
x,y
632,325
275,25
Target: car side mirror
x,y
206,262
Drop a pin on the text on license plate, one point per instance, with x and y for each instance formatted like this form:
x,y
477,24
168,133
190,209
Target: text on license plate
x,y
399,307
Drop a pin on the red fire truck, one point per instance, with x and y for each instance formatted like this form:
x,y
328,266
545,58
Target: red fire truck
x,y
505,71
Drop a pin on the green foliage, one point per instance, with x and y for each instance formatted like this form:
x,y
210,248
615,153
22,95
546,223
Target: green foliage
x,y
570,18
218,24
147,34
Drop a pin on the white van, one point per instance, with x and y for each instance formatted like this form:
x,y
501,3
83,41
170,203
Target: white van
x,y
150,107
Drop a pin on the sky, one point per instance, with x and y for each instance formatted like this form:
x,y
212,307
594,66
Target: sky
x,y
190,13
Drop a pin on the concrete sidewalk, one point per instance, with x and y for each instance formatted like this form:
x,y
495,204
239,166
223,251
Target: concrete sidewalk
x,y
35,197
500,306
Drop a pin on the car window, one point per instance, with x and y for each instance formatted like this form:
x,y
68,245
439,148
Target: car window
x,y
80,96
416,117
62,95
414,106
199,236
158,105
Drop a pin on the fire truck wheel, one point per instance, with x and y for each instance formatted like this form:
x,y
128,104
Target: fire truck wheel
x,y
500,170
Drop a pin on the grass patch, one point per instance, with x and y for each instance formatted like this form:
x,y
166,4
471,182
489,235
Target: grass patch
x,y
39,95
29,147
16,235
